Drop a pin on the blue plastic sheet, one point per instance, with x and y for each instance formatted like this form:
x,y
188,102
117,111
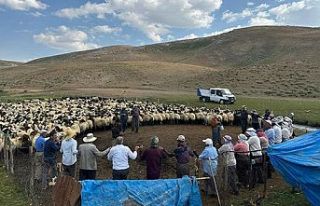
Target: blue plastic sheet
x,y
298,161
180,192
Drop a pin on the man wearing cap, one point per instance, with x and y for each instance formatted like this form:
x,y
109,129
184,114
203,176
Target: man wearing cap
x,y
241,150
69,155
227,152
38,156
119,155
123,119
209,161
153,157
256,157
135,119
183,155
88,157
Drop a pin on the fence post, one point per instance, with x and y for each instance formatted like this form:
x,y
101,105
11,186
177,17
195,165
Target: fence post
x,y
5,151
11,158
31,181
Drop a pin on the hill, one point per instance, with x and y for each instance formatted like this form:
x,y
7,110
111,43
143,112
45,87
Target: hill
x,y
276,61
5,64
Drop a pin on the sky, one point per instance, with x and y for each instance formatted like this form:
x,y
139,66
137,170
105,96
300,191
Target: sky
x,y
30,29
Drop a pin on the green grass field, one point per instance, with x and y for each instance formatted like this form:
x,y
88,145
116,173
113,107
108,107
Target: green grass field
x,y
307,111
10,193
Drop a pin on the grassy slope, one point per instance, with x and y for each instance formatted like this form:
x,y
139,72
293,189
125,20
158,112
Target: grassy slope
x,y
10,193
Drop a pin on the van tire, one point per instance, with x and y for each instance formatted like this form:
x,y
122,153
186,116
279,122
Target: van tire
x,y
221,101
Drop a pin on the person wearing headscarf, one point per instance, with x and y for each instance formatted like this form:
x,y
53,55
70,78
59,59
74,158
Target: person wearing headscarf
x,y
255,156
209,161
153,156
227,152
242,157
269,131
263,139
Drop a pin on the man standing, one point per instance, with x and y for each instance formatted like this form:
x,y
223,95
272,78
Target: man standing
x,y
277,131
215,125
183,155
209,161
88,158
119,155
51,146
244,119
38,157
256,157
123,119
135,118
69,155
153,156
227,152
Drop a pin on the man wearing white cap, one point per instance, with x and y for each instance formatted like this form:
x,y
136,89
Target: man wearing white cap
x,y
227,152
88,157
119,155
209,161
183,155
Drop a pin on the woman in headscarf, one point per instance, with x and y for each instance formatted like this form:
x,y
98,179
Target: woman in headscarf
x,y
227,152
241,150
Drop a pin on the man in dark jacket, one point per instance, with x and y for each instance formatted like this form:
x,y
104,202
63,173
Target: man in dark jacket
x,y
135,118
183,155
51,146
123,119
153,157
244,119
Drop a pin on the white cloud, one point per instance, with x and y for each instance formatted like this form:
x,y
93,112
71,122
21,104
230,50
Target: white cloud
x,y
154,18
23,5
250,3
100,10
105,29
229,16
189,36
223,31
36,14
261,21
288,8
65,39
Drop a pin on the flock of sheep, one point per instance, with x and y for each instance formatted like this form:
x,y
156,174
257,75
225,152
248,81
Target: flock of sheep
x,y
25,120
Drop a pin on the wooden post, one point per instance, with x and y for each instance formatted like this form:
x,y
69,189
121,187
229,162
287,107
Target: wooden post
x,y
11,158
31,181
5,152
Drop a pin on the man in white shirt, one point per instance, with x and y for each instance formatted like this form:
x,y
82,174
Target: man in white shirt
x,y
277,131
255,156
119,155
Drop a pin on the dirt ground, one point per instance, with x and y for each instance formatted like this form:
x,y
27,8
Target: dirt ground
x,y
167,135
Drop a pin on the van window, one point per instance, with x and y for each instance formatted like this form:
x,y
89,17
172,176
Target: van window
x,y
219,93
213,91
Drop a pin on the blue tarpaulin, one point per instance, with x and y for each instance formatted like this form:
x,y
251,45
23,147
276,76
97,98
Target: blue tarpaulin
x,y
298,161
183,191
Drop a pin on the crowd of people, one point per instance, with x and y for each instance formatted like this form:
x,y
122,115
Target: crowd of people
x,y
243,157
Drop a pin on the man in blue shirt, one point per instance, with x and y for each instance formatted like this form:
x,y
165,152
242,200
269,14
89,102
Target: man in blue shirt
x,y
51,146
38,156
209,161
